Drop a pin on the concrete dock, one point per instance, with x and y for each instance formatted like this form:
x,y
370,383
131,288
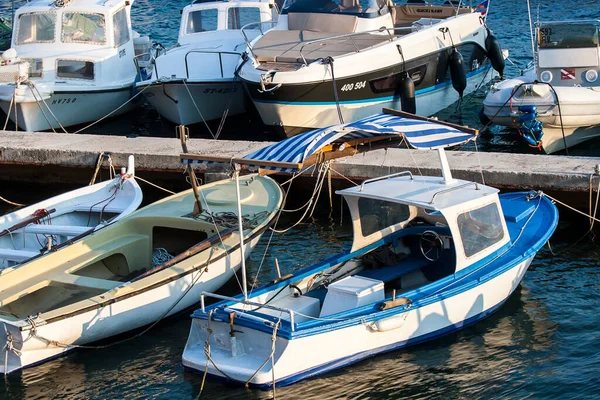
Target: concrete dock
x,y
26,156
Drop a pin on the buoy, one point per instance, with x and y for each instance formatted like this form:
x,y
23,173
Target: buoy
x,y
457,72
494,52
407,94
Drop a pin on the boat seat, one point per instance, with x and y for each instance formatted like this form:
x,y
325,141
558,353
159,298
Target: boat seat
x,y
17,255
387,274
322,22
285,46
98,208
60,230
86,281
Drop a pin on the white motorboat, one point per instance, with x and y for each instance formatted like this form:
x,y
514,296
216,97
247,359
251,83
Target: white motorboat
x,y
556,104
132,273
51,224
430,255
71,62
329,63
195,80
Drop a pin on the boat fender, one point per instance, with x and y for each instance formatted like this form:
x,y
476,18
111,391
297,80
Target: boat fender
x,y
407,94
494,53
457,72
388,324
485,121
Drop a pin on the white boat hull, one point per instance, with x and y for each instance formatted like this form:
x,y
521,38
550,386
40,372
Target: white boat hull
x,y
575,121
205,101
62,108
32,346
296,117
309,355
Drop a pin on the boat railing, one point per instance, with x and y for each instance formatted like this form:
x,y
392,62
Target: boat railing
x,y
390,31
380,178
453,189
250,303
220,53
260,27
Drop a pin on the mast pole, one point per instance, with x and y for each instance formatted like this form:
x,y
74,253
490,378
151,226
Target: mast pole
x,y
236,173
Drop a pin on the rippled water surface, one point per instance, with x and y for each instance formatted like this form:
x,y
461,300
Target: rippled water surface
x,y
543,343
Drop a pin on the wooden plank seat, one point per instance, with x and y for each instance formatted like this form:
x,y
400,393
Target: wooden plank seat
x,y
98,208
17,255
86,281
60,230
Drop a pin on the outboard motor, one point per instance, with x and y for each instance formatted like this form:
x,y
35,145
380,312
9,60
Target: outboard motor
x,y
494,53
407,94
457,72
531,129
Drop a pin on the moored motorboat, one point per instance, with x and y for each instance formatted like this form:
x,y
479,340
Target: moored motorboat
x,y
555,105
53,223
71,62
195,80
135,272
328,63
430,255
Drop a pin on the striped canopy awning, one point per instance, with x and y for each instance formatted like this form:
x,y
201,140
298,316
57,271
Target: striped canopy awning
x,y
291,154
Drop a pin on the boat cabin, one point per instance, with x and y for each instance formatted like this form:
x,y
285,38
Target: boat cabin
x,y
347,25
568,53
203,16
77,40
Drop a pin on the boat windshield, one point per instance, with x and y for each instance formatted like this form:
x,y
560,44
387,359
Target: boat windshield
x,y
83,28
480,228
36,28
567,35
360,8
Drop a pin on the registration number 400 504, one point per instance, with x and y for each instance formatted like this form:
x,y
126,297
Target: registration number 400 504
x,y
353,86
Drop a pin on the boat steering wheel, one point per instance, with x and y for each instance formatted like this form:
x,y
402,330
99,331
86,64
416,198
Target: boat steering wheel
x,y
431,245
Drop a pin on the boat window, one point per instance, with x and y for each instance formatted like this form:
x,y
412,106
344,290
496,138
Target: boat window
x,y
237,17
36,28
565,36
392,82
121,27
202,21
83,28
360,8
376,215
480,228
75,69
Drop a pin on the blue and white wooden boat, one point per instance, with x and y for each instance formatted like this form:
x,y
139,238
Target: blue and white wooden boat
x,y
430,255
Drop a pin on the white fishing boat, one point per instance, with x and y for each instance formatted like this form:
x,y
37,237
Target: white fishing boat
x,y
555,105
332,62
71,62
53,223
150,265
195,80
430,255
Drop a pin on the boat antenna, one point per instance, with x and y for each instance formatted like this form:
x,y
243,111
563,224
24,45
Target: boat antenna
x,y
183,132
531,30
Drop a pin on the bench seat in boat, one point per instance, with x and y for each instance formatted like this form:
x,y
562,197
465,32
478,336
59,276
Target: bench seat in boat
x,y
17,255
60,230
285,46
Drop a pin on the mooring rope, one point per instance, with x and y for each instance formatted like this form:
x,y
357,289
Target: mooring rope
x,y
153,184
12,203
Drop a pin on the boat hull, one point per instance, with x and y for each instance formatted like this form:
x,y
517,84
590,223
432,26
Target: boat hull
x,y
33,347
298,116
66,108
311,355
574,122
194,102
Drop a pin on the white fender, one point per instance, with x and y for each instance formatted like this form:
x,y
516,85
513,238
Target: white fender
x,y
388,324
